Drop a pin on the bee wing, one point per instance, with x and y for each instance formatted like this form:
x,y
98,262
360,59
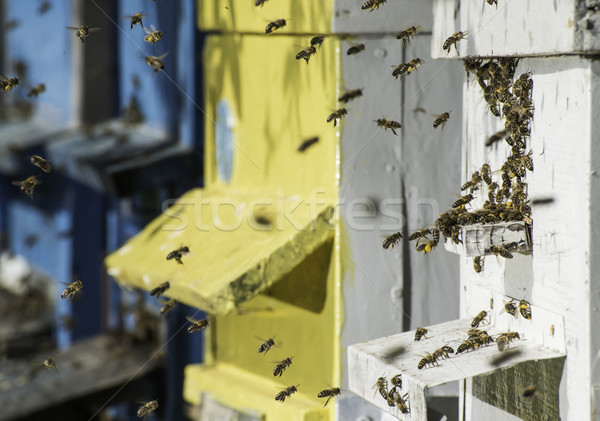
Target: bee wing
x,y
191,320
148,31
162,56
94,29
72,28
17,183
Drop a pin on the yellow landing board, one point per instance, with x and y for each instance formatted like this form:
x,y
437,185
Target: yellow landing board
x,y
240,243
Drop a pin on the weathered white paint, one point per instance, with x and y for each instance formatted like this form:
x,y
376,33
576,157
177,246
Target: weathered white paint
x,y
478,238
516,27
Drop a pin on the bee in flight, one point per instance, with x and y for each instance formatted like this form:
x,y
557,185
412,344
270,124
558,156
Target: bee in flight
x,y
479,318
286,393
275,25
350,95
260,3
281,366
492,2
525,309
160,290
167,307
355,49
44,7
464,200
196,325
372,4
510,308
83,31
40,162
407,68
49,364
153,35
317,40
27,185
337,115
306,53
420,333
453,39
441,120
135,19
501,250
36,90
6,84
392,240
266,345
307,143
178,254
407,34
147,408
329,393
156,62
388,124
71,290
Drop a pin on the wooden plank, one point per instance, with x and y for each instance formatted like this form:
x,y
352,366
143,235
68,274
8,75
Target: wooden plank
x,y
477,239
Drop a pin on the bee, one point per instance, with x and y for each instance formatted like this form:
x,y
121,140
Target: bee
x,y
276,24
407,68
529,391
496,137
419,234
479,318
552,330
407,34
355,49
382,386
510,308
329,393
36,90
443,352
177,254
453,39
427,360
337,115
44,7
307,143
388,124
153,35
483,339
401,404
266,345
486,174
426,245
132,114
160,290
135,19
492,2
372,4
527,161
156,62
27,185
478,263
6,84
49,364
167,307
281,366
71,290
473,332
83,31
504,340
441,120
40,162
396,381
317,40
525,309
392,396
435,236
463,201
260,3
392,240
147,408
465,346
501,250
286,393
196,325
350,95
306,53
473,183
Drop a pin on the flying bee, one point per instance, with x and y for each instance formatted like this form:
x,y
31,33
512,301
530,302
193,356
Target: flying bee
x,y
71,290
425,245
275,25
40,162
473,183
306,53
479,318
337,115
266,345
307,143
392,240
406,68
496,137
441,119
510,308
407,34
286,393
355,49
427,360
372,4
6,84
196,325
501,251
156,62
44,7
464,200
453,39
153,35
419,234
525,309
420,333
350,95
478,263
486,174
388,124
36,90
177,254
492,2
317,40
167,307
396,381
83,31
49,364
281,366
382,387
329,393
135,19
160,290
146,409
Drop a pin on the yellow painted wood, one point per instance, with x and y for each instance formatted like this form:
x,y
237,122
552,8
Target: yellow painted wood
x,y
302,16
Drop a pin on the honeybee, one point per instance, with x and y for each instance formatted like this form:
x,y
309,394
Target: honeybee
x,y
473,332
392,396
156,62
464,200
329,393
147,408
49,364
427,360
6,84
260,3
71,290
392,240
355,49
337,115
396,381
388,124
27,185
401,404
40,162
478,263
443,352
501,250
177,254
407,68
306,53
350,95
479,318
419,234
36,90
275,25
286,393
372,4
483,339
266,345
525,309
527,161
435,236
281,366
382,387
135,19
453,39
167,307
307,143
153,35
465,346
317,40
426,245
132,114
407,34
160,290
504,340
83,31
441,120
473,183
492,2
196,325
496,137
486,174
510,308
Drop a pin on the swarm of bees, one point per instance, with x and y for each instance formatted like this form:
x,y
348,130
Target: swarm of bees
x,y
393,396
